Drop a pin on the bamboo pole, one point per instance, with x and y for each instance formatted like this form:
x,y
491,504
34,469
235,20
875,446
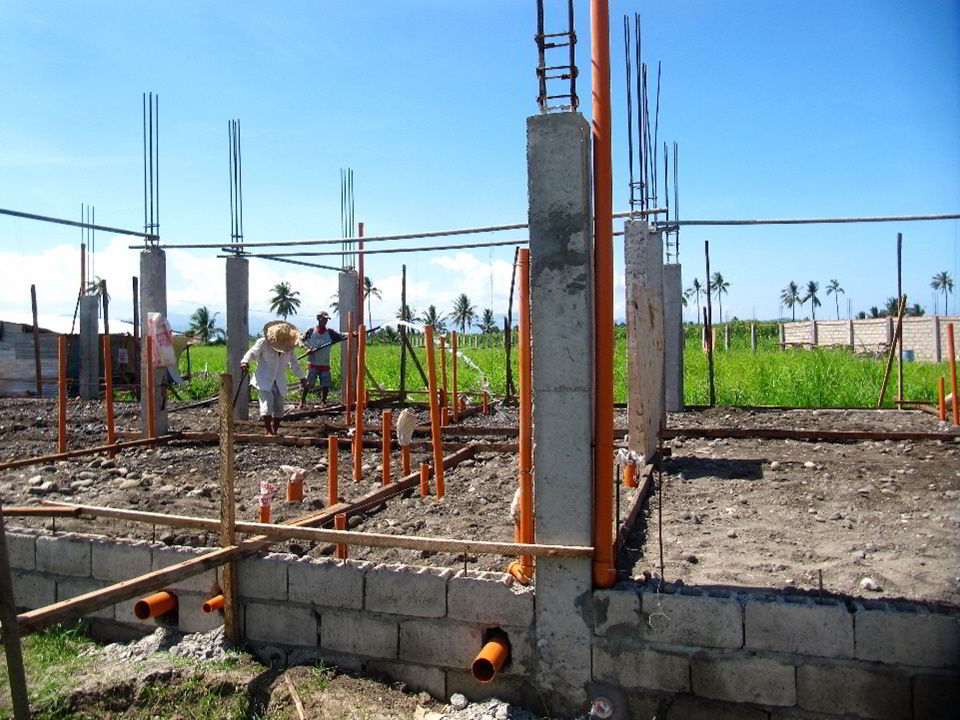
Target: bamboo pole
x,y
403,334
231,623
900,336
952,363
62,394
333,451
11,634
88,451
436,437
893,349
358,434
108,395
36,339
453,363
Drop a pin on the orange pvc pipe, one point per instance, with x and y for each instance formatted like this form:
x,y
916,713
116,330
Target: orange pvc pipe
x,y
604,574
358,433
214,603
443,368
630,476
62,394
405,459
424,479
385,429
453,364
525,415
340,523
155,605
346,371
151,392
435,435
492,657
294,491
333,453
108,379
265,514
941,398
952,362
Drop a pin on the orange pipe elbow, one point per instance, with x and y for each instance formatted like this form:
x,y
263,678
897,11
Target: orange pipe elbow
x,y
214,603
155,605
492,657
515,569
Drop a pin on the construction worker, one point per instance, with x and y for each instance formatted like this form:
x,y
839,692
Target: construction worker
x,y
273,353
318,341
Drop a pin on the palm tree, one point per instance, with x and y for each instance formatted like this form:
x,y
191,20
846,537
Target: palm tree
x,y
487,323
834,287
695,289
335,303
812,288
719,288
405,313
463,312
284,301
875,312
916,310
203,325
368,290
430,316
892,307
942,282
790,296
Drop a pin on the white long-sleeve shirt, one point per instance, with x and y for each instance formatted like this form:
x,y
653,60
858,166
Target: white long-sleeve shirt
x,y
271,365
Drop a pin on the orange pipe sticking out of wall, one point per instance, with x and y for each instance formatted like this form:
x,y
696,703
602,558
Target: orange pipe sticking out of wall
x,y
604,574
424,479
151,392
340,523
108,397
952,363
492,657
405,459
214,603
453,366
942,398
361,381
155,605
62,394
333,453
630,476
435,435
385,429
347,369
525,415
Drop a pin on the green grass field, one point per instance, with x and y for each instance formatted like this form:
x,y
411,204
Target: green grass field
x,y
806,378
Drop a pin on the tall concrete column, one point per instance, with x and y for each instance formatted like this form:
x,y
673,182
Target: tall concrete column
x,y
238,327
153,298
937,353
850,334
673,335
561,289
89,347
646,398
347,299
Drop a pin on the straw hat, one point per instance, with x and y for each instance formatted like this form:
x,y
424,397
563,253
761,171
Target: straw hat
x,y
281,335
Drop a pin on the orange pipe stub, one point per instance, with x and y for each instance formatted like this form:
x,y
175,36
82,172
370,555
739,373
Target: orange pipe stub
x,y
492,657
295,491
630,476
265,514
155,605
214,603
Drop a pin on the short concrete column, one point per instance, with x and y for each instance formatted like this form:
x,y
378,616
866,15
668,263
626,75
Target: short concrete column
x,y
153,298
646,402
814,335
561,289
753,337
673,335
238,328
89,347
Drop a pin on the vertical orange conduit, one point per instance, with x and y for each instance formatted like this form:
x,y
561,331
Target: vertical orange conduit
x,y
525,417
346,372
435,437
340,523
62,394
603,571
424,479
151,392
453,363
333,453
941,398
385,429
443,371
108,396
358,433
952,348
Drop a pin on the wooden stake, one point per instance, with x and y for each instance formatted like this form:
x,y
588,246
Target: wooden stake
x,y
62,394
952,364
36,340
11,634
333,453
231,623
385,431
453,361
403,335
416,361
900,335
893,349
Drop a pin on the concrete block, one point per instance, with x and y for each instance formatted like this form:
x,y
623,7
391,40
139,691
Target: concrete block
x,y
691,707
32,590
407,590
698,620
358,634
865,691
163,557
415,677
906,634
120,560
743,679
936,696
22,551
803,626
627,665
192,618
264,577
319,656
64,555
436,642
328,582
617,611
503,687
72,587
490,598
281,624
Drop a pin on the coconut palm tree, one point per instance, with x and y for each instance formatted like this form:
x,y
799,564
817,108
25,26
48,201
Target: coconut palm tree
x,y
203,325
696,290
834,287
405,313
875,312
790,296
719,287
368,291
430,316
942,282
812,288
463,312
916,310
487,323
892,307
284,301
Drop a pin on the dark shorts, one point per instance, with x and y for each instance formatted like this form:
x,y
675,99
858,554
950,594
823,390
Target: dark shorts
x,y
323,375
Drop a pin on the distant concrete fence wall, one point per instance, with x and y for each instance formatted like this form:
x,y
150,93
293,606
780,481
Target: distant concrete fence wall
x,y
926,336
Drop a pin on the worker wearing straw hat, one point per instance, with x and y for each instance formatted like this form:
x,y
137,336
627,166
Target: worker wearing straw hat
x,y
273,353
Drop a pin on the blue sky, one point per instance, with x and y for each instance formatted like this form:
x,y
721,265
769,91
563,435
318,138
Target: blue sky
x,y
781,110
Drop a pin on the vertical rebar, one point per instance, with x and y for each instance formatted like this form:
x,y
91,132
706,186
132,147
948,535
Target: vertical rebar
x,y
626,52
574,100
541,60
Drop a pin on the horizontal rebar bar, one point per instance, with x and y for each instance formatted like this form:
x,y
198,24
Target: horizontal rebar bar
x,y
74,223
824,221
420,248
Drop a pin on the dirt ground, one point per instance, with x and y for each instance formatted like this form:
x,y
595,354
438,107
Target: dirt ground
x,y
875,518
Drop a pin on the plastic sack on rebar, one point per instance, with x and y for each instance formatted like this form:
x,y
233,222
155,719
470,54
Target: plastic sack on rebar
x,y
406,424
159,330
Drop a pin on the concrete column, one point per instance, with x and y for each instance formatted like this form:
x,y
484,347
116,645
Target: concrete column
x,y
238,328
673,335
646,399
937,351
753,337
347,303
561,288
850,339
814,337
783,337
89,347
726,337
153,298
